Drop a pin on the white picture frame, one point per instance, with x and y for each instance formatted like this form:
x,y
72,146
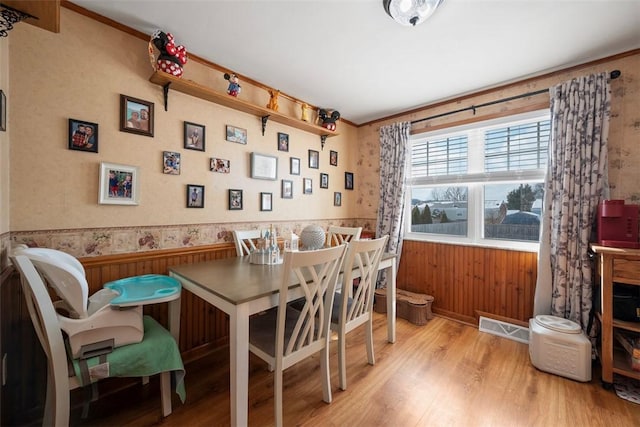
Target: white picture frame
x,y
264,166
119,184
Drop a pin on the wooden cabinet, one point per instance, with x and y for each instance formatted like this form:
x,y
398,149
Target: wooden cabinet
x,y
619,266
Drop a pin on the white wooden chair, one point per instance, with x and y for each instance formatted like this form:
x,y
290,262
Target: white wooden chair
x,y
285,336
61,378
245,240
339,235
354,309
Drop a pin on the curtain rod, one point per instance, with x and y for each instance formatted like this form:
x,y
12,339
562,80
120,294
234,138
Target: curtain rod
x,y
614,75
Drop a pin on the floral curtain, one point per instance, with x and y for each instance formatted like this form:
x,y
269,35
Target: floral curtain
x,y
394,149
575,183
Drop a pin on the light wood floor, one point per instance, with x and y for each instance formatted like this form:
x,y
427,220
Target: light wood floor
x,y
441,374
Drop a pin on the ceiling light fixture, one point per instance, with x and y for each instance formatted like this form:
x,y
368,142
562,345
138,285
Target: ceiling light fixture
x,y
410,12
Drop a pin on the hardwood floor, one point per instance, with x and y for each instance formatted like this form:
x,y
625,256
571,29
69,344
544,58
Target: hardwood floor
x,y
442,374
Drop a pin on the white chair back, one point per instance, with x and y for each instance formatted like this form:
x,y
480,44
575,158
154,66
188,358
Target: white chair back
x,y
65,274
317,273
339,235
245,241
45,322
354,305
285,336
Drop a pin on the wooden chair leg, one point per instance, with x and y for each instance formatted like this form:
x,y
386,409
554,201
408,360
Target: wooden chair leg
x,y
369,342
342,360
325,374
277,380
165,392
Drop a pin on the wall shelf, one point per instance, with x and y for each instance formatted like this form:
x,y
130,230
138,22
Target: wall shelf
x,y
192,88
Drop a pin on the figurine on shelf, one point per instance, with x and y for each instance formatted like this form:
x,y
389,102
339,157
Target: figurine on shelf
x,y
234,86
327,120
305,113
273,100
171,57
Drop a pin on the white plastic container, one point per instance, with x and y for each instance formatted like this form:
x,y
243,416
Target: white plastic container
x,y
559,346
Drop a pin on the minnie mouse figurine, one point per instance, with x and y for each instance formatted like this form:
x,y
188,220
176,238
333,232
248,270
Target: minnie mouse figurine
x,y
234,85
172,57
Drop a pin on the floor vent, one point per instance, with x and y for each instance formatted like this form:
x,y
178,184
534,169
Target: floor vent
x,y
503,329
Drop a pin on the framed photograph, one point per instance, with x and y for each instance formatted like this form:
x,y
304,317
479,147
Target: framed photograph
x,y
136,116
83,136
294,166
3,111
314,159
220,165
324,180
171,163
348,180
287,189
283,141
266,201
333,158
118,184
264,166
236,134
193,136
307,185
195,196
337,198
235,200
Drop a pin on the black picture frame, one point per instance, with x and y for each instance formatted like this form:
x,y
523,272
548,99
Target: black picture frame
x,y
333,158
136,116
3,111
287,189
171,163
283,141
348,180
235,200
324,180
314,159
337,198
83,136
266,202
194,136
294,166
307,185
195,196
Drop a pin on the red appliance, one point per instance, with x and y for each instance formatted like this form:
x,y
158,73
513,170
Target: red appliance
x,y
618,224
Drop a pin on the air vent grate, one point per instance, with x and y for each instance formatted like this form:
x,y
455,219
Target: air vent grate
x,y
503,329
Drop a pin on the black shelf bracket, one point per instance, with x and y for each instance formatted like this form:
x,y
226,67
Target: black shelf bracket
x,y
323,140
264,123
165,91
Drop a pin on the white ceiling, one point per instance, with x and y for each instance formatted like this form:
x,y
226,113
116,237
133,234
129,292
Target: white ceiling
x,y
351,56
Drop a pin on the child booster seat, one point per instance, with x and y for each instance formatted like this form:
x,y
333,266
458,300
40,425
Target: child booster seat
x,y
111,317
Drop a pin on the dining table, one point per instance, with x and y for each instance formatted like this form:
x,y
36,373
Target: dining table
x,y
240,288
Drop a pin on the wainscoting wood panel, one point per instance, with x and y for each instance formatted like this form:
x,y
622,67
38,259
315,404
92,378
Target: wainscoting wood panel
x,y
466,280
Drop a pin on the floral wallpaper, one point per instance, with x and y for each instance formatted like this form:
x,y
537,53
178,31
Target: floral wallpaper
x,y
109,241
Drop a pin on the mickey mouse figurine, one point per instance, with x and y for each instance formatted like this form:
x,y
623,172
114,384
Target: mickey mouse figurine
x,y
234,86
172,57
328,121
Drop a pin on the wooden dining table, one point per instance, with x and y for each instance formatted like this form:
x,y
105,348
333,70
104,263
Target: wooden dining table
x,y
240,289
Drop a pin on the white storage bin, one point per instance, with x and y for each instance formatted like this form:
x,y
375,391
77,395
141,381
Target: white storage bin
x,y
559,346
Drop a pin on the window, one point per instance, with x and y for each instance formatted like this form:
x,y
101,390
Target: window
x,y
481,183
